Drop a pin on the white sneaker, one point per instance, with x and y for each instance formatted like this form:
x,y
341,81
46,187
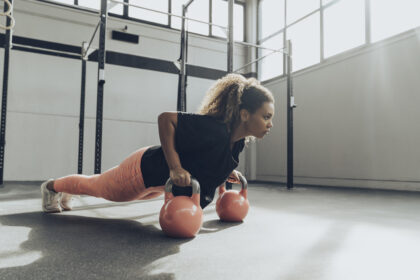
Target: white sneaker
x,y
49,199
66,201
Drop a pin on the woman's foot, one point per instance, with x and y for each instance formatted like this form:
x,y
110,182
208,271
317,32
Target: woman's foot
x,y
50,198
66,201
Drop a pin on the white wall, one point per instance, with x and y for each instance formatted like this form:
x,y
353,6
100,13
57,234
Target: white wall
x,y
357,120
44,92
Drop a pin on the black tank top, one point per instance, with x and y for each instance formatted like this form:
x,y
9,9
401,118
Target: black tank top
x,y
203,145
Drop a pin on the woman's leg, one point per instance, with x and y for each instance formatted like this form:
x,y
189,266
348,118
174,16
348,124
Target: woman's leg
x,y
121,183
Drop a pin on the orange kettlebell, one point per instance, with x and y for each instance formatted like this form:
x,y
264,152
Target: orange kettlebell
x,y
181,216
232,205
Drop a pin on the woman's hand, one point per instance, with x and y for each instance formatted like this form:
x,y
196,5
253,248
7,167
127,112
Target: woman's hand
x,y
234,177
180,177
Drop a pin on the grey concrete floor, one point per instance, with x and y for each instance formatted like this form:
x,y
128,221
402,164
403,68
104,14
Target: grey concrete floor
x,y
307,233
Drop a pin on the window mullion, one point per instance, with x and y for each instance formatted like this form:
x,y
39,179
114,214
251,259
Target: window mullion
x,y
210,17
125,9
368,38
285,36
170,12
321,29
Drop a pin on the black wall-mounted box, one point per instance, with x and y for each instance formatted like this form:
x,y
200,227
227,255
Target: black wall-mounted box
x,y
125,37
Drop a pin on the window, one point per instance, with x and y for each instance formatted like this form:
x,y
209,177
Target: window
x,y
389,17
197,10
326,2
68,2
90,4
271,17
344,26
115,8
297,9
220,17
272,65
159,9
149,15
305,37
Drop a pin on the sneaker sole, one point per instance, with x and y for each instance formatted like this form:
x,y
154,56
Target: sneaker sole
x,y
45,209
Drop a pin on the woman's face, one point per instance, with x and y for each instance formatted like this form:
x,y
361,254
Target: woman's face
x,y
259,123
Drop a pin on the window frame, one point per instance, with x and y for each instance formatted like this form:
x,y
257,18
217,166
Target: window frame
x,y
126,17
320,9
236,2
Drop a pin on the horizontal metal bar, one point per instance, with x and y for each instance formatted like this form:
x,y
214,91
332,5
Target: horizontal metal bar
x,y
293,23
165,13
188,4
258,46
254,61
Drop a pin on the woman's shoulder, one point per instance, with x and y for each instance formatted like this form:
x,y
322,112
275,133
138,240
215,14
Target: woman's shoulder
x,y
201,126
200,119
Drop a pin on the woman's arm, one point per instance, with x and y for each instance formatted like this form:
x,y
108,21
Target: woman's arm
x,y
167,123
234,177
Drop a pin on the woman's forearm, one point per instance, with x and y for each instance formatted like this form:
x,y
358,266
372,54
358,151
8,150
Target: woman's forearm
x,y
167,123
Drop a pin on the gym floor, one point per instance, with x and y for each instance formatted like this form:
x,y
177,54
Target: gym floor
x,y
307,233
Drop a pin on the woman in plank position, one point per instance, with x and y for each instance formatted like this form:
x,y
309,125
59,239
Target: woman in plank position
x,y
205,146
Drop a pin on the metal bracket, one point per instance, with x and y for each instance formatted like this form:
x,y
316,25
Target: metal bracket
x,y
102,75
292,102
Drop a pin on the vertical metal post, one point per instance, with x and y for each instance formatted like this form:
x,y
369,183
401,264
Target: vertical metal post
x,y
82,109
125,9
230,37
182,100
290,106
101,82
7,47
230,52
169,12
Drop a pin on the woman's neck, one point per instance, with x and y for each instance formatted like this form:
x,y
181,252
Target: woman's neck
x,y
238,133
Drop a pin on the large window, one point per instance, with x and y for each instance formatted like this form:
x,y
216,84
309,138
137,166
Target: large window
x,y
198,10
344,26
305,37
146,15
302,27
272,65
90,4
297,9
390,17
116,8
220,17
68,2
321,29
271,16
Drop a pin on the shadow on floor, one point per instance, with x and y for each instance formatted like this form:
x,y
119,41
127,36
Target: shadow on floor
x,y
71,246
216,225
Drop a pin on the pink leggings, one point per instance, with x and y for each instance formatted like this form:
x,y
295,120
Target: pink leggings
x,y
120,183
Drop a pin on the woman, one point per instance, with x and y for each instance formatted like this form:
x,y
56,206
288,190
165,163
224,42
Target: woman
x,y
205,146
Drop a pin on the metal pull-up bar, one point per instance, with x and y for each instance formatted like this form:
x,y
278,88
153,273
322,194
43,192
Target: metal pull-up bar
x,y
8,10
100,89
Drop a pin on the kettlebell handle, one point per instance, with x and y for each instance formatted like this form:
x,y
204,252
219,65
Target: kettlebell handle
x,y
194,184
195,191
244,182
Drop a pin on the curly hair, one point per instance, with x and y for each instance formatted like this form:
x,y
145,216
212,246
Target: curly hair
x,y
231,93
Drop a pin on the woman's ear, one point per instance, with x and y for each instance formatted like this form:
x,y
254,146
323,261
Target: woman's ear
x,y
244,115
